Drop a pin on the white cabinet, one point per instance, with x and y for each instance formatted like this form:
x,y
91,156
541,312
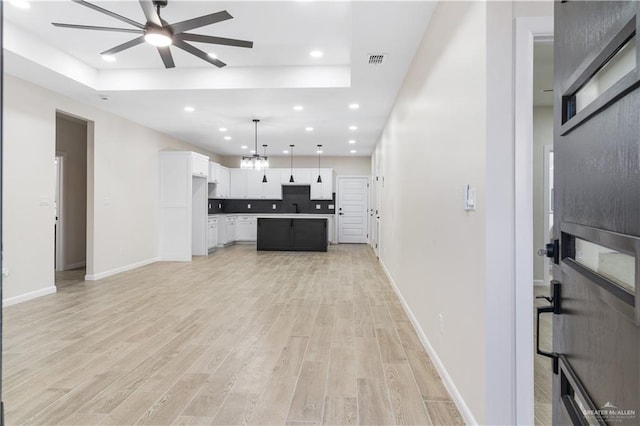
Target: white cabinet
x,y
183,205
272,189
221,189
199,165
323,190
254,184
213,172
247,228
212,234
238,183
231,229
300,177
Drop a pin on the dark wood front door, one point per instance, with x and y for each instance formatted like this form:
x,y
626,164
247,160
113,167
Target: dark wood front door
x,y
596,331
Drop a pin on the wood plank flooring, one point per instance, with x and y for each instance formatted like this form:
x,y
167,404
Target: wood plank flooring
x,y
238,337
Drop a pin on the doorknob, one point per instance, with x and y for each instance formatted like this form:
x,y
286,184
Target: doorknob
x,y
555,308
551,250
340,213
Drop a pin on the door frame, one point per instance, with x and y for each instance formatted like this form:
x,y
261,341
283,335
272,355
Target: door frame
x,y
367,226
59,200
527,30
547,208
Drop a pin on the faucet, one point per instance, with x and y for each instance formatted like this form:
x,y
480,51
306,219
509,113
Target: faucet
x,y
296,206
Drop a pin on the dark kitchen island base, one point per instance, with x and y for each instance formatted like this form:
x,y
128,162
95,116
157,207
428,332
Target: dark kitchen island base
x,y
292,234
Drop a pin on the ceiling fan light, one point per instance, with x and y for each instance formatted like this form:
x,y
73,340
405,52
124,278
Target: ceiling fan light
x,y
158,37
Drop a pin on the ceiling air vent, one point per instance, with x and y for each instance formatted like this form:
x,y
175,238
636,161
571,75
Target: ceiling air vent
x,y
377,58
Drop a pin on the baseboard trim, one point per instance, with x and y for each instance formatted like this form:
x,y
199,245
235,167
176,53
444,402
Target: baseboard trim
x,y
444,374
74,265
105,274
28,296
539,283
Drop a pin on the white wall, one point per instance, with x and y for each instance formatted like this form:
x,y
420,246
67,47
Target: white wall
x,y
71,139
122,188
542,135
345,166
433,144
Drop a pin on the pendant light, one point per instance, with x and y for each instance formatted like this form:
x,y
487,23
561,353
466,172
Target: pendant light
x,y
264,170
256,161
291,180
319,152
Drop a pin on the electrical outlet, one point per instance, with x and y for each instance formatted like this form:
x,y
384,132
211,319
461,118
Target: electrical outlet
x,y
5,272
273,206
219,205
317,206
441,322
209,205
332,206
248,206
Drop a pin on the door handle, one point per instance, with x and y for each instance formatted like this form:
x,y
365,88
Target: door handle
x,y
341,213
551,250
554,307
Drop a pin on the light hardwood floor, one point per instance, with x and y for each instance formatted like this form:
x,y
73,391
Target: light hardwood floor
x,y
542,365
239,337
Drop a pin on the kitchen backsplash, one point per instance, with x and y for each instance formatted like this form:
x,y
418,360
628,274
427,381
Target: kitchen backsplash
x,y
292,195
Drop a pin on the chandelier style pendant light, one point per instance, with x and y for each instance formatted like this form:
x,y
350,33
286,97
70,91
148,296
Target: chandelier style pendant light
x,y
264,170
319,152
291,180
256,161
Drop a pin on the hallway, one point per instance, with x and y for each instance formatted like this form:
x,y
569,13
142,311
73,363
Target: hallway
x,y
236,337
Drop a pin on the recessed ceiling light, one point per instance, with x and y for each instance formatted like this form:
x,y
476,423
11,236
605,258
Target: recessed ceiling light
x,y
309,129
243,147
108,58
252,151
189,109
285,151
354,106
316,53
353,151
20,4
298,108
222,129
352,141
212,55
227,138
353,127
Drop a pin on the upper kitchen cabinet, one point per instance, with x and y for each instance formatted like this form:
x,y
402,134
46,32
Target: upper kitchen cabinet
x,y
213,172
324,189
258,189
238,183
223,182
300,177
199,165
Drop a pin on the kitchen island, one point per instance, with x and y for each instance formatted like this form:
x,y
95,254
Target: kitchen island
x,y
292,234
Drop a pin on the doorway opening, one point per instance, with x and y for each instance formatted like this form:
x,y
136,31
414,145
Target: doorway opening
x,y
70,200
542,173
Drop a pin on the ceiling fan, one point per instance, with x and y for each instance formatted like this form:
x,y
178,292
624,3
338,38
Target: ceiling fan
x,y
158,32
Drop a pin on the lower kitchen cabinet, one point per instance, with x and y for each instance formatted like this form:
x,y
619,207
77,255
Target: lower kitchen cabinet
x,y
212,233
246,228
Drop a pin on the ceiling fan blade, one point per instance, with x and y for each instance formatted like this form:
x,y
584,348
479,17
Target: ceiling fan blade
x,y
215,40
110,13
200,21
150,12
165,54
197,52
123,46
90,27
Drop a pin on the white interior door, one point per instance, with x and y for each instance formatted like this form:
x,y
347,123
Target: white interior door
x,y
352,209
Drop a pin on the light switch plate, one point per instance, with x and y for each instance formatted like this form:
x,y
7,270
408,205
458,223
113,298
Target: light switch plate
x,y
209,205
469,198
273,206
248,206
317,206
219,205
332,206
